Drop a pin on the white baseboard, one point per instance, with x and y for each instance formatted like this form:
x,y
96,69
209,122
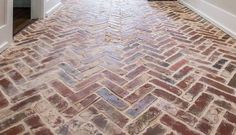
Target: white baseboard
x,y
53,9
224,20
4,46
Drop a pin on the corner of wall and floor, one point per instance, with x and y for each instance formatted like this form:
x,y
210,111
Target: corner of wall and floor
x,y
224,17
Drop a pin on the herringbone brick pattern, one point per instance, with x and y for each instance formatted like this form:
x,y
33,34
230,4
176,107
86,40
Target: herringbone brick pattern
x,y
116,67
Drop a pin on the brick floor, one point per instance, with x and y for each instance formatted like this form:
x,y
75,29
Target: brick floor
x,y
116,67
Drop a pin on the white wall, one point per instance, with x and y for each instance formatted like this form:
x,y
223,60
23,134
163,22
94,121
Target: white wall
x,y
220,12
51,5
228,5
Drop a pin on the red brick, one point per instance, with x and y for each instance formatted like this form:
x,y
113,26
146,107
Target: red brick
x,y
193,91
225,129
43,131
161,77
140,106
136,72
140,92
115,88
3,101
174,57
204,127
177,126
222,94
184,71
84,93
143,121
230,117
15,119
27,102
7,87
112,99
87,82
171,98
29,61
62,89
33,122
29,93
217,85
167,87
16,77
159,69
157,129
178,65
187,82
14,130
70,112
113,77
140,80
111,113
200,104
186,117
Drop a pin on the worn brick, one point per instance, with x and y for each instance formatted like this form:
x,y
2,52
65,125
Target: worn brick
x,y
167,87
143,121
140,106
225,129
177,126
112,113
7,87
200,104
112,99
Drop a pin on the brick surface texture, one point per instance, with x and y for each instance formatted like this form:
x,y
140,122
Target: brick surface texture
x,y
119,67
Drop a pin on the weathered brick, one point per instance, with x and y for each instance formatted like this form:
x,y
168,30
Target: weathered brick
x,y
161,77
113,77
140,80
61,88
177,126
115,88
140,106
15,119
143,121
230,117
7,87
157,130
107,127
14,130
217,85
178,65
84,93
16,77
225,129
112,99
181,73
34,122
136,72
140,92
222,94
3,101
171,98
204,127
27,102
167,87
193,91
200,104
111,113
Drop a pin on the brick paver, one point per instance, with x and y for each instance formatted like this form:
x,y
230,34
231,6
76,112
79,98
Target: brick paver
x,y
119,67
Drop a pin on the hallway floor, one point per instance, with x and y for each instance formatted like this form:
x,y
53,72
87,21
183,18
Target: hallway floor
x,y
116,67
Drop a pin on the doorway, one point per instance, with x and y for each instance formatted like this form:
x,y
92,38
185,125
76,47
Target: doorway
x,y
21,15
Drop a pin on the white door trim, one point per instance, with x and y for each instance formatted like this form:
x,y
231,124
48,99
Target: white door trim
x,y
37,9
6,24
